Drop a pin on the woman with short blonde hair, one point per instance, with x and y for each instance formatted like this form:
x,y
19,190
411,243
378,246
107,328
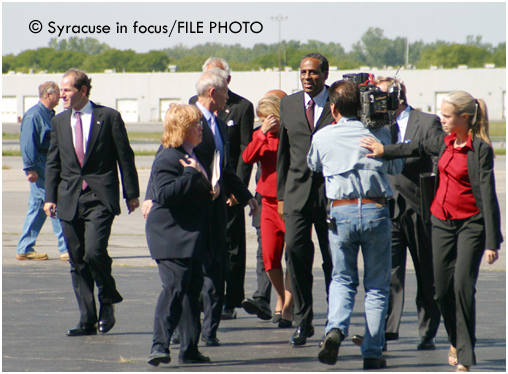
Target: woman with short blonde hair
x,y
179,118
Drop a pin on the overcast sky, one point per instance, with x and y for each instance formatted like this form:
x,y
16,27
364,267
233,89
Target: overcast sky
x,y
248,23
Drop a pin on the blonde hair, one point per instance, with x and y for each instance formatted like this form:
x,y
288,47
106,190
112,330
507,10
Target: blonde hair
x,y
269,104
464,103
177,122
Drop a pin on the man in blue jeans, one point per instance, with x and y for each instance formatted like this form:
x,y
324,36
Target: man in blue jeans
x,y
357,188
34,144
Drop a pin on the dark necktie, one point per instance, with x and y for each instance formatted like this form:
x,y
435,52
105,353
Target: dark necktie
x,y
309,113
80,150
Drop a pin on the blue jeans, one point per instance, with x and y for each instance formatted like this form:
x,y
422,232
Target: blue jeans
x,y
35,218
367,226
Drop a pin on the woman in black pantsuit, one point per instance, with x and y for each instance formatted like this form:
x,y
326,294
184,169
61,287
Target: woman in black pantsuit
x,y
177,230
465,214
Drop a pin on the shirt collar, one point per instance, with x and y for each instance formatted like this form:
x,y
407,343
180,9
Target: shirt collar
x,y
87,109
208,115
45,108
404,114
449,139
319,99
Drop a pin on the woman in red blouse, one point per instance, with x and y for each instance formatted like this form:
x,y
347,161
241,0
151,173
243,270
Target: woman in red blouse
x,y
263,149
465,217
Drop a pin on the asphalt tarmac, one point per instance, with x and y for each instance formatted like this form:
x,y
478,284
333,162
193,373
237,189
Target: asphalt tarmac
x,y
39,306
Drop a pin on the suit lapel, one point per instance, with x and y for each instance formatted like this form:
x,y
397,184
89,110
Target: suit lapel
x,y
95,128
412,125
324,115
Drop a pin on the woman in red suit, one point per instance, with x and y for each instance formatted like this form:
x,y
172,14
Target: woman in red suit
x,y
263,149
466,221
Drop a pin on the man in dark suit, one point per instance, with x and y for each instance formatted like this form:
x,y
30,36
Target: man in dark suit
x,y
212,92
409,230
88,144
302,201
238,114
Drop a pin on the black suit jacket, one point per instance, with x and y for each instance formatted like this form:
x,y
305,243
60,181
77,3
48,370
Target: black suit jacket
x,y
108,146
420,126
238,114
480,167
294,178
178,223
229,181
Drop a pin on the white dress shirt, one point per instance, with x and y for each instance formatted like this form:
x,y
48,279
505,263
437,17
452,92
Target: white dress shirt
x,y
319,100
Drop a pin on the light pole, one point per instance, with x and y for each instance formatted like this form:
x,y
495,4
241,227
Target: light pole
x,y
279,19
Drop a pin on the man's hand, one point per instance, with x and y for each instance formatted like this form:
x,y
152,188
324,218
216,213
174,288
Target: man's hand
x,y
232,200
254,207
31,176
50,209
132,204
491,255
280,210
145,208
377,149
215,192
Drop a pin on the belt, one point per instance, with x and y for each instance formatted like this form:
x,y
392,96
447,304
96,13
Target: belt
x,y
372,200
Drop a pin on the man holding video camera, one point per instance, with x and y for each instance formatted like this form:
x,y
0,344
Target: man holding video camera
x,y
357,188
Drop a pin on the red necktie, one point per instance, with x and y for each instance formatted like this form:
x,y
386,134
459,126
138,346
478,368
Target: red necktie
x,y
80,152
309,113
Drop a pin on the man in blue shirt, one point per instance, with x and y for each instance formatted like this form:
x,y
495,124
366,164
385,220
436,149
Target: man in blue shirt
x,y
357,188
34,144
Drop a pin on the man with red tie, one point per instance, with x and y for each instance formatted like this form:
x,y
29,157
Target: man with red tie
x,y
88,144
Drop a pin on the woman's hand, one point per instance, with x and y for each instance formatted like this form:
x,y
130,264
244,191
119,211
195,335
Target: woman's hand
x,y
374,146
491,255
190,162
269,123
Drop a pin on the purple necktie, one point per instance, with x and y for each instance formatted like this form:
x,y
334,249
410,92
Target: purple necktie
x,y
309,113
80,152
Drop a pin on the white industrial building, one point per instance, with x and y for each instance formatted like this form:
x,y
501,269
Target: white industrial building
x,y
144,97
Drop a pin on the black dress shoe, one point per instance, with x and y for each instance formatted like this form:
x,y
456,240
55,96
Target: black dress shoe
x,y
259,307
285,324
106,318
83,329
426,344
374,363
300,336
175,338
330,350
228,314
157,358
194,359
211,341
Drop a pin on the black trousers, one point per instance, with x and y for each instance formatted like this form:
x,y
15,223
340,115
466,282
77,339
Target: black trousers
x,y
237,251
458,247
178,305
300,256
409,231
215,271
87,237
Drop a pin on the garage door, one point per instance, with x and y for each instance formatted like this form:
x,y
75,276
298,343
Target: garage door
x,y
128,108
164,106
9,109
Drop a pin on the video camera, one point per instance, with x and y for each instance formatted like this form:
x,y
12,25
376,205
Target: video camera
x,y
377,108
